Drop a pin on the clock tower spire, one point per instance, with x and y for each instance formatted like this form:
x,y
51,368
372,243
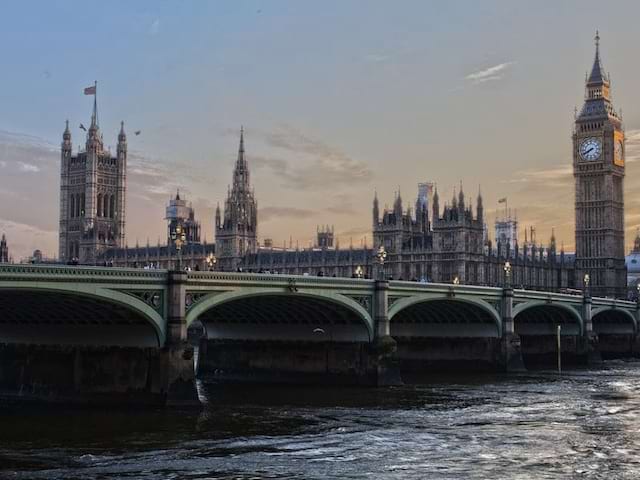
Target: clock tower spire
x,y
598,169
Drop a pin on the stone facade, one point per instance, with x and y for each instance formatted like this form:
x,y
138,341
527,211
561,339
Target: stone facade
x,y
598,168
92,196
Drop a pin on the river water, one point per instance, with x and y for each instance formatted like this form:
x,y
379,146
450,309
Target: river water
x,y
584,424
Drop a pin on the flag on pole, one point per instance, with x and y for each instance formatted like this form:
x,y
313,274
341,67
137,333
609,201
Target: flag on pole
x,y
502,200
90,90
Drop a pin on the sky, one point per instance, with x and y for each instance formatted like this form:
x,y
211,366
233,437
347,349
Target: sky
x,y
338,100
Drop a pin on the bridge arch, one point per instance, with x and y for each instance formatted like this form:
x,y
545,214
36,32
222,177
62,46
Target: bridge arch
x,y
278,315
611,320
440,316
78,314
541,318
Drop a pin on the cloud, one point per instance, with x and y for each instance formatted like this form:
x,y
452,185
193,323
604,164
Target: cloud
x,y
23,238
3,164
489,74
317,166
375,58
269,213
155,27
553,177
28,167
632,146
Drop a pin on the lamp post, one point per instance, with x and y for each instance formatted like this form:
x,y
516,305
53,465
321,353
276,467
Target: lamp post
x,y
211,262
456,280
358,272
381,256
179,238
586,280
507,274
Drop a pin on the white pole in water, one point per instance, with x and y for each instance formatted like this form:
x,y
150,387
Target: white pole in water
x,y
559,352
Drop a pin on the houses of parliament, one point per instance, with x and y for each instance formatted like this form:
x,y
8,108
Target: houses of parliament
x,y
432,240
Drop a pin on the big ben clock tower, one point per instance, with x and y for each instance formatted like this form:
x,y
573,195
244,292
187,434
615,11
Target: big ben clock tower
x,y
598,168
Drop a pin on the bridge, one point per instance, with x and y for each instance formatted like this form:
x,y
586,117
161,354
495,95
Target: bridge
x,y
88,334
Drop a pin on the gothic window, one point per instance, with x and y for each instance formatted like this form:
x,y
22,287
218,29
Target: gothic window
x,y
72,206
82,204
112,206
99,205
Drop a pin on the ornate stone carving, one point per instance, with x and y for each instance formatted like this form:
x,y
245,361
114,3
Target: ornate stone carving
x,y
153,298
393,299
363,300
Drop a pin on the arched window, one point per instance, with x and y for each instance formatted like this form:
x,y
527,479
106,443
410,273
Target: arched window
x,y
82,204
112,206
99,204
72,206
78,206
105,206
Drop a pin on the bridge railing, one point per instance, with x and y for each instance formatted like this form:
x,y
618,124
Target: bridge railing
x,y
242,277
75,272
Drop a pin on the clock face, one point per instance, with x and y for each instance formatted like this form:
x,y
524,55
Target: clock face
x,y
618,150
590,149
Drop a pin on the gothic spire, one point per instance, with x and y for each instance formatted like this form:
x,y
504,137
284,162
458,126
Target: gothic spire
x,y
66,136
597,75
241,171
241,159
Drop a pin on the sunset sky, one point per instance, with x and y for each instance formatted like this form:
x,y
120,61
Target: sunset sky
x,y
338,99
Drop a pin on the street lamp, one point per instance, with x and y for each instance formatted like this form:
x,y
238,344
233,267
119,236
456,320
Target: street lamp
x,y
179,238
381,256
456,280
358,272
211,261
586,280
507,273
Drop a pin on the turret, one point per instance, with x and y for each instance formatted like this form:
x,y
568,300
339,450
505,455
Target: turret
x,y
436,205
218,216
376,210
480,207
66,141
122,139
4,250
461,199
397,207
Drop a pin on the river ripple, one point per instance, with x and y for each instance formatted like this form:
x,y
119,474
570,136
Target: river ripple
x,y
583,425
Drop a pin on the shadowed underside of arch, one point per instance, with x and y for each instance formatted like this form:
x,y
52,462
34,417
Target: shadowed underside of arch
x,y
445,318
613,322
543,319
285,318
59,318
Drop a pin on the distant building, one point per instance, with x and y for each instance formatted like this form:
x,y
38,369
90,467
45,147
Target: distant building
x,y
425,194
506,230
195,255
632,262
324,236
92,196
4,250
179,213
